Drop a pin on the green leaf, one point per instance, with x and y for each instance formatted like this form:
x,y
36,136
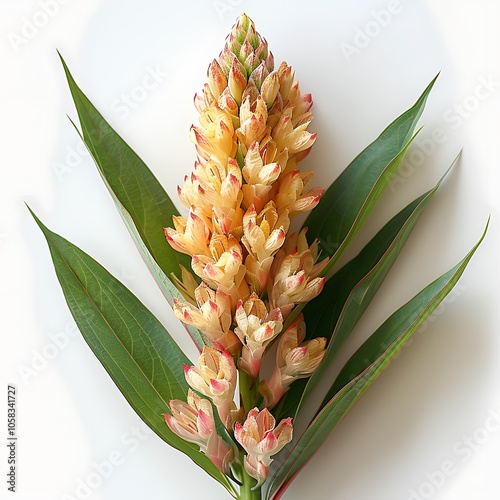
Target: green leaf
x,y
135,349
362,294
130,181
406,317
335,312
165,284
141,201
347,203
363,369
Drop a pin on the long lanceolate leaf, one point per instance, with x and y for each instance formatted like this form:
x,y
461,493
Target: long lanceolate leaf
x,y
346,204
322,314
335,312
166,286
362,370
140,199
134,348
362,294
130,181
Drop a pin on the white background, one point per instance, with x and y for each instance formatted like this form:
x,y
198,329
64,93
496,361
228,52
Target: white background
x,y
429,408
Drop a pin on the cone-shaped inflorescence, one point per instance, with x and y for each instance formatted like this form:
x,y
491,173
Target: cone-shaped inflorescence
x,y
245,188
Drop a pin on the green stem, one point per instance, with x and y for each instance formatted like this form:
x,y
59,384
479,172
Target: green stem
x,y
246,492
248,391
245,395
249,397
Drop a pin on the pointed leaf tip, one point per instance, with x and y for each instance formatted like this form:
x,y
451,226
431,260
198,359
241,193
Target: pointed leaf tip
x,y
130,182
347,203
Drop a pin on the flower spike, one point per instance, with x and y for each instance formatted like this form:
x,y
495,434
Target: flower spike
x,y
245,188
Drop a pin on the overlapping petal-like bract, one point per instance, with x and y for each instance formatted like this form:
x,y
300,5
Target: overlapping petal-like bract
x,y
257,327
263,234
259,178
245,188
252,133
294,274
261,438
214,138
215,378
194,422
212,316
294,360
